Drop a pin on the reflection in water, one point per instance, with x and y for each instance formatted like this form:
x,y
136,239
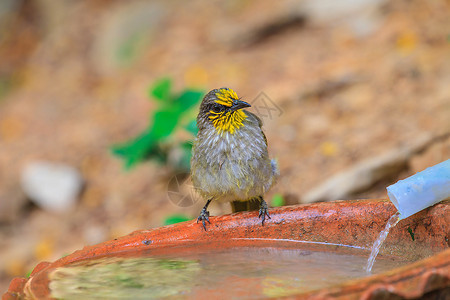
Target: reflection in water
x,y
237,272
119,278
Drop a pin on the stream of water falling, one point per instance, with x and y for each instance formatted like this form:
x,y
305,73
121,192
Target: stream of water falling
x,y
393,220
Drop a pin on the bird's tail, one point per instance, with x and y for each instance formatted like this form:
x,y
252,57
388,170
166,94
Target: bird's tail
x,y
252,204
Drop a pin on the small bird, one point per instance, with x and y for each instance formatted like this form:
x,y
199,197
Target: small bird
x,y
230,162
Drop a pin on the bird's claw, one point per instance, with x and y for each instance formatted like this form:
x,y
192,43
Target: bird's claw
x,y
263,212
204,216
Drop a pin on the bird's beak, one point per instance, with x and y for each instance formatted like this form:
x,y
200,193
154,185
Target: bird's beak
x,y
238,104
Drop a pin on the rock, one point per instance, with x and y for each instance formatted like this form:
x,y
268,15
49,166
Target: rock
x,y
366,173
357,178
53,187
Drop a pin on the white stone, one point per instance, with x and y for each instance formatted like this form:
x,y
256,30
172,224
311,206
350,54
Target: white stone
x,y
51,186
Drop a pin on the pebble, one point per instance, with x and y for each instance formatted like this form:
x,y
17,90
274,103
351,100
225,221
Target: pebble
x,y
51,186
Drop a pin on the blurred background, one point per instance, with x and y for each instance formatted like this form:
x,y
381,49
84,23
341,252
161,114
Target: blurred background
x,y
354,95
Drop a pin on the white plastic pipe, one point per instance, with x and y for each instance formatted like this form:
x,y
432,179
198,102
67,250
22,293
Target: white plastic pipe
x,y
421,190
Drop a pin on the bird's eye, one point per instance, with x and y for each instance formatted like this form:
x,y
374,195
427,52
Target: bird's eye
x,y
216,108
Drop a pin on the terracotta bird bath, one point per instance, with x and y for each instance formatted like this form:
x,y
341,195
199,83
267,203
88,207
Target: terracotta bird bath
x,y
256,257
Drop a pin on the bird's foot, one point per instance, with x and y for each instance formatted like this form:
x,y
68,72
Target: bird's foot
x,y
263,211
204,216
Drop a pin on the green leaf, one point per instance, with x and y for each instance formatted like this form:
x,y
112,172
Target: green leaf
x,y
189,98
277,200
173,219
158,154
161,89
411,233
192,127
136,150
164,122
151,144
147,145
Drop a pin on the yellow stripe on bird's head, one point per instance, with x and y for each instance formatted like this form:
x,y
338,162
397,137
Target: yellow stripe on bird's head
x,y
226,96
225,110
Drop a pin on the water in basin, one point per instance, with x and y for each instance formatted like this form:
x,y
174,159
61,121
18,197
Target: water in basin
x,y
239,272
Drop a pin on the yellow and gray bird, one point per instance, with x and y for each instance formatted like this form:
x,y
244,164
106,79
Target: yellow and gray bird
x,y
230,162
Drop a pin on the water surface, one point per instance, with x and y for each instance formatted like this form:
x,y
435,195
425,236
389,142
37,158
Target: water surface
x,y
235,272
